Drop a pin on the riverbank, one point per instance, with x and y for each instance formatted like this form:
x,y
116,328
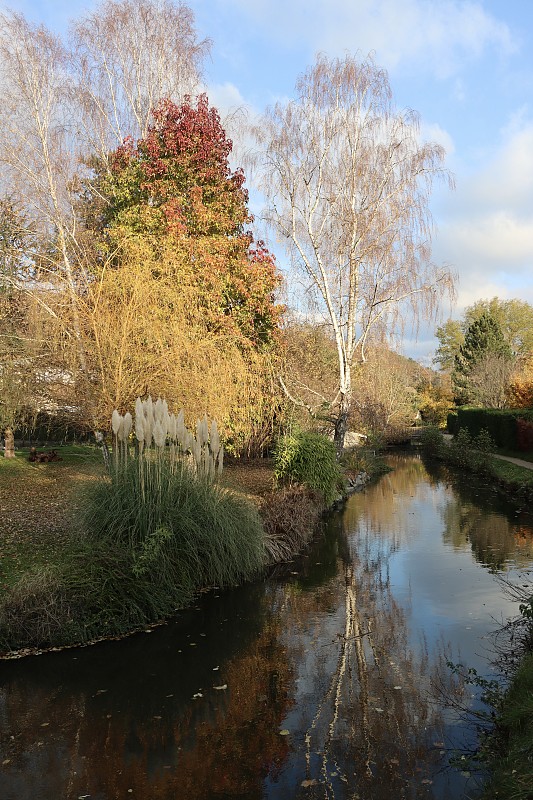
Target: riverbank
x,y
510,474
46,555
510,760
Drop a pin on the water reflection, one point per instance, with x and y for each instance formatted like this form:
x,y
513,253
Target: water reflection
x,y
168,714
322,683
474,517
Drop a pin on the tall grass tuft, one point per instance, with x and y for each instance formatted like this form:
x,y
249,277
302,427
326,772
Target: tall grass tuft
x,y
176,522
159,529
308,459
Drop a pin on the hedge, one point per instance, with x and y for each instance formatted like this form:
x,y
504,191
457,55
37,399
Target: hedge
x,y
502,425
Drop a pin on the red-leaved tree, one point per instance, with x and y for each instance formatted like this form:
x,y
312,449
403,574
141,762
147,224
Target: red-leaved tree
x,y
176,185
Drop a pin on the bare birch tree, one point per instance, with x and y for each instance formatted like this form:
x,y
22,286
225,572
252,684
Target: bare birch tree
x,y
348,183
37,156
64,106
127,56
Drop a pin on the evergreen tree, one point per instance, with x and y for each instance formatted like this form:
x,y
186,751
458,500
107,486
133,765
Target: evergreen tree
x,y
484,339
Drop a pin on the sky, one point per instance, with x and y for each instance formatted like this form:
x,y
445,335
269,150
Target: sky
x,y
466,67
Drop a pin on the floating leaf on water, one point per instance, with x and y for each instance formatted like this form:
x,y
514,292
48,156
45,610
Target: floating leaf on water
x,y
284,732
6,761
306,784
438,744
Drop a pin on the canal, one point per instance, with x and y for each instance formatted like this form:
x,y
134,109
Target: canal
x,y
328,679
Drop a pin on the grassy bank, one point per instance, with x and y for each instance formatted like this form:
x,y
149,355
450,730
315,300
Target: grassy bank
x,y
83,557
511,761
479,455
70,571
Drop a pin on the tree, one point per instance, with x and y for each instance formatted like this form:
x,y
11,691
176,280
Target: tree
x,y
127,56
36,154
434,397
515,318
385,393
451,337
484,347
348,184
176,186
489,378
309,368
520,388
181,300
64,106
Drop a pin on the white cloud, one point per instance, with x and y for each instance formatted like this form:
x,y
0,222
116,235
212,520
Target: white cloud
x,y
498,239
487,234
440,35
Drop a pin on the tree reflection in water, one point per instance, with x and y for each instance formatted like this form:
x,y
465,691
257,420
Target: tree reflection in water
x,y
373,728
475,517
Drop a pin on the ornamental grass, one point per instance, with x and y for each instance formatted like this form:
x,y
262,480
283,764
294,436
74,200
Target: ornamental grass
x,y
158,529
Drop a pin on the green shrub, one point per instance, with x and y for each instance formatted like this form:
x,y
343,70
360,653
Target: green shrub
x,y
432,441
459,449
308,459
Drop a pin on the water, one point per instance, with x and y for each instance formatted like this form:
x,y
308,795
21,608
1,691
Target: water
x,y
328,680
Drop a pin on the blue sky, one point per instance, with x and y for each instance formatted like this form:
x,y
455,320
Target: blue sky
x,y
466,67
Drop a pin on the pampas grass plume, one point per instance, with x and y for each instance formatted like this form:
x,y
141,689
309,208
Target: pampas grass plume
x,y
116,419
126,426
159,434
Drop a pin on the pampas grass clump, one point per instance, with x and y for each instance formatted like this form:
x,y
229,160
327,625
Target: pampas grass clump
x,y
174,522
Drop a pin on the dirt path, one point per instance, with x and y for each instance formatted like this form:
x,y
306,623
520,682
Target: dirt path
x,y
517,461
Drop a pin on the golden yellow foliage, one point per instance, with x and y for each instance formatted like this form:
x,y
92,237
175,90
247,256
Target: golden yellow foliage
x,y
520,389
